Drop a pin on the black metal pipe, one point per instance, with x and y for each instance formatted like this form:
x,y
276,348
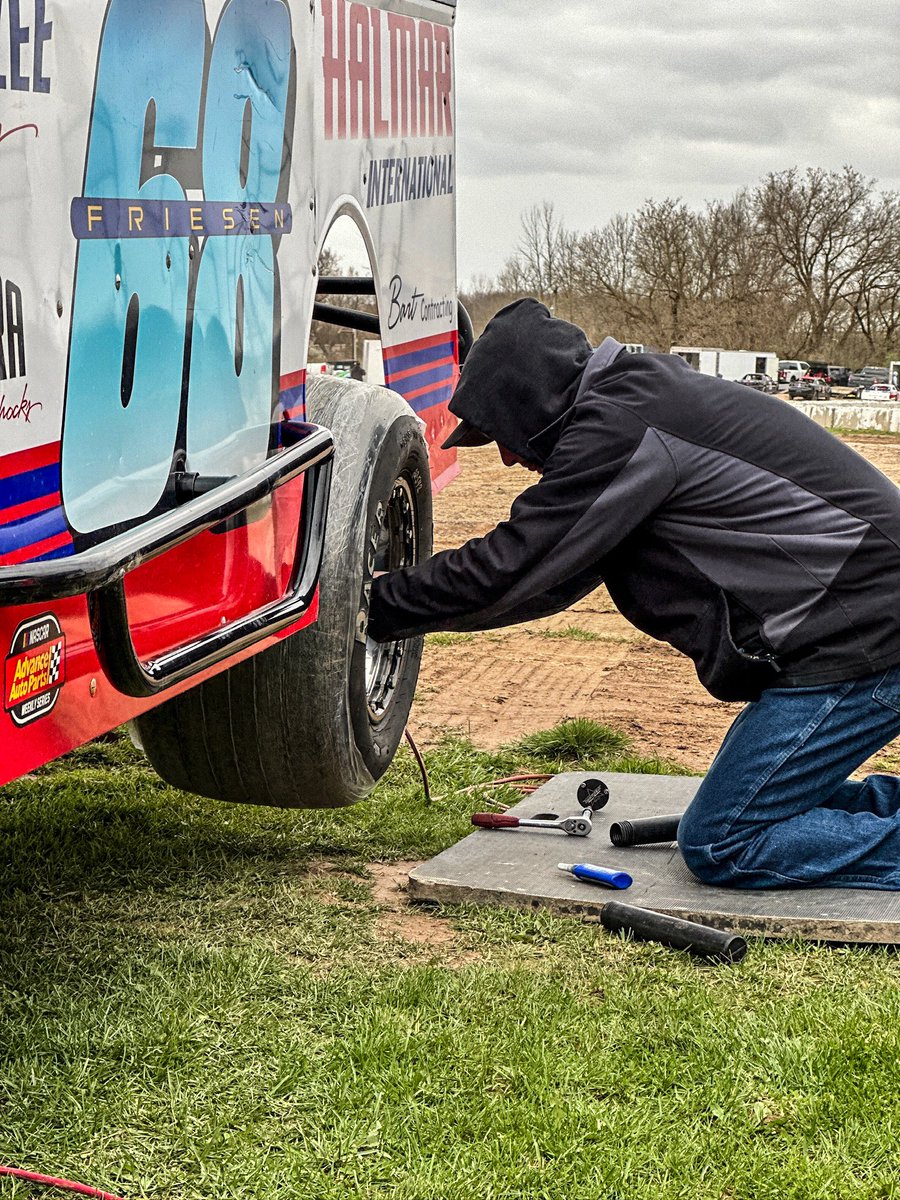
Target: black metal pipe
x,y
186,486
351,318
347,318
345,285
717,945
645,831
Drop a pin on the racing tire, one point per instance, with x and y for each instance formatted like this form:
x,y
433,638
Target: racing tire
x,y
315,721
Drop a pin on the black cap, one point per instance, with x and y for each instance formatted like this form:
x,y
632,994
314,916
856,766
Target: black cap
x,y
465,434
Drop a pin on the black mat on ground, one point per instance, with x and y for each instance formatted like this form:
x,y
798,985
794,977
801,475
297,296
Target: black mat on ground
x,y
518,868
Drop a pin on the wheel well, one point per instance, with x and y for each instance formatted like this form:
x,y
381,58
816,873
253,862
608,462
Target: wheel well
x,y
347,252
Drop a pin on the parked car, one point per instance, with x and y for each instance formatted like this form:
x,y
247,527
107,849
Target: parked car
x,y
809,388
885,392
791,370
866,376
840,376
820,370
759,382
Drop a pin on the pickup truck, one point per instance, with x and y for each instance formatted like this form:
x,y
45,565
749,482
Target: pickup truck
x,y
791,369
188,527
866,376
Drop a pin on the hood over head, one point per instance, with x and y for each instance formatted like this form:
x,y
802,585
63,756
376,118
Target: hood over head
x,y
521,376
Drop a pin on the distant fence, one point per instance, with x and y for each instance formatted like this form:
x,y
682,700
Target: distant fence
x,y
851,414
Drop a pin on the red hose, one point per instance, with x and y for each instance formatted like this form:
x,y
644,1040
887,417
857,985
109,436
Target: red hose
x,y
66,1184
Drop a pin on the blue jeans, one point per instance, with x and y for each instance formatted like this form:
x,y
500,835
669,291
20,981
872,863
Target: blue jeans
x,y
776,808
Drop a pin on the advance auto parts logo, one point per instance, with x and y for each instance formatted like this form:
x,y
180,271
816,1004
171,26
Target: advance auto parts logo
x,y
35,669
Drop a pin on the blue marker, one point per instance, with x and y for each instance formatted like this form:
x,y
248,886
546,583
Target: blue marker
x,y
592,874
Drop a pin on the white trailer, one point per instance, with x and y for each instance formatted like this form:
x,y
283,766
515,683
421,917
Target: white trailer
x,y
728,364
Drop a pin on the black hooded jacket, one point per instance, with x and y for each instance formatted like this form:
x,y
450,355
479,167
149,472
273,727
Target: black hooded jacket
x,y
722,521
520,378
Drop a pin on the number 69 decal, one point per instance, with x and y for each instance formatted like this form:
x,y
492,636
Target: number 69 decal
x,y
176,304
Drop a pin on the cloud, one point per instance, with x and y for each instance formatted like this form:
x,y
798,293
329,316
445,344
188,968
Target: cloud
x,y
598,107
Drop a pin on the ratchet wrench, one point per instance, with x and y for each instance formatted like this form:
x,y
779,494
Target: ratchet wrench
x,y
579,826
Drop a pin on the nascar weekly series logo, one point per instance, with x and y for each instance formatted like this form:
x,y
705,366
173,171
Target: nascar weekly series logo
x,y
35,669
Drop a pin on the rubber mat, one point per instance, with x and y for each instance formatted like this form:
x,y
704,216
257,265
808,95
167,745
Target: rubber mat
x,y
518,868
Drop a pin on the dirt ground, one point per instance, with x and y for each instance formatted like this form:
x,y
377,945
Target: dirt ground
x,y
586,662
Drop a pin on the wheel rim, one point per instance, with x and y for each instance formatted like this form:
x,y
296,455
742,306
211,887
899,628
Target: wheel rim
x,y
398,546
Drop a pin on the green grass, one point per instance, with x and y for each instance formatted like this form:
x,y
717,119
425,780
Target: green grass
x,y
462,639
201,1001
580,743
573,633
448,639
870,431
575,740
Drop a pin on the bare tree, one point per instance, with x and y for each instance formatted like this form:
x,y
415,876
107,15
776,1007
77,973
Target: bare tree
x,y
826,232
806,264
740,300
606,278
873,298
542,263
666,261
482,299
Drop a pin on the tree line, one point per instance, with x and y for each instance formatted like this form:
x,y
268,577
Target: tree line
x,y
805,264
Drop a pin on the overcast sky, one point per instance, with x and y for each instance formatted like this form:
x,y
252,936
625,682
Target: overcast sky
x,y
598,105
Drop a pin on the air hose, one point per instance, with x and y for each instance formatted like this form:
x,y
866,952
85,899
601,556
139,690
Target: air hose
x,y
66,1185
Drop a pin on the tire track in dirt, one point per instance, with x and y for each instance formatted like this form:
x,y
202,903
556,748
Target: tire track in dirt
x,y
498,691
513,680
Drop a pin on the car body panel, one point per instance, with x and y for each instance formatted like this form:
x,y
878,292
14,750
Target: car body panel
x,y
810,387
880,392
172,169
760,382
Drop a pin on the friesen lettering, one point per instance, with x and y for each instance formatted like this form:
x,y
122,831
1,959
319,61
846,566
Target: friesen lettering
x,y
22,47
117,220
386,75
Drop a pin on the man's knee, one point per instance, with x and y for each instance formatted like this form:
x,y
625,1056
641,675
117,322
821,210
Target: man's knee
x,y
706,859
